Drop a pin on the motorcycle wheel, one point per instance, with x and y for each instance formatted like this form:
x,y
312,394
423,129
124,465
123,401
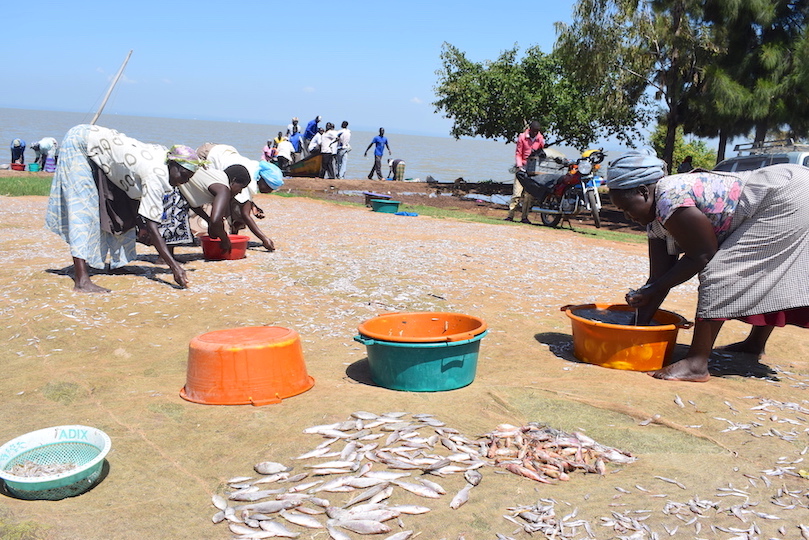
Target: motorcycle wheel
x,y
550,202
591,198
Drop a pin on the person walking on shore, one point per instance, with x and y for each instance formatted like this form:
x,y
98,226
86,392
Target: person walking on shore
x,y
380,142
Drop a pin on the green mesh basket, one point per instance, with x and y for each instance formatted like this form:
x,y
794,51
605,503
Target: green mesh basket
x,y
54,463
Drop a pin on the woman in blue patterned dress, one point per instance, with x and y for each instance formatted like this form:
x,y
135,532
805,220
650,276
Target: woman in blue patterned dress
x,y
745,234
104,180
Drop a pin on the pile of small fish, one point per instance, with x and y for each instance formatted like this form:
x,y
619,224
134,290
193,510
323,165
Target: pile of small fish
x,y
32,469
365,459
545,454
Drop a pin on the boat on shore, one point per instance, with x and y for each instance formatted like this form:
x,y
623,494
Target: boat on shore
x,y
308,167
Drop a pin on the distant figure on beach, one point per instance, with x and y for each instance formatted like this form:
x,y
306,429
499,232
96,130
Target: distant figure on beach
x,y
343,148
285,151
328,148
314,144
46,150
380,142
396,169
267,152
292,126
18,151
310,132
686,166
297,143
529,143
104,180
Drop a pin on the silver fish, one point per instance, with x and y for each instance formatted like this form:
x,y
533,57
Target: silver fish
x,y
461,497
219,502
277,529
317,452
333,465
254,495
433,485
268,507
382,495
270,467
363,526
473,477
362,415
403,535
302,520
410,509
419,489
334,534
367,494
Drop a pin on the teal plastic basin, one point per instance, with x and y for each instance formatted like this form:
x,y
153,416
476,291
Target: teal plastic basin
x,y
422,367
385,206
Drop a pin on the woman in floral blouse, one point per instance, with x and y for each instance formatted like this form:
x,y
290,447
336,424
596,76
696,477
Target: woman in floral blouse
x,y
747,236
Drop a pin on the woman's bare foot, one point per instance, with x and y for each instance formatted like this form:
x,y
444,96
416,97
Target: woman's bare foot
x,y
688,369
742,347
89,287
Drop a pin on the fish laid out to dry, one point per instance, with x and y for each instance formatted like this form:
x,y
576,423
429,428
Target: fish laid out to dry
x,y
546,455
32,469
348,483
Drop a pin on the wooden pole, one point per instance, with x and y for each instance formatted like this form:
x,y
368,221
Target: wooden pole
x,y
109,91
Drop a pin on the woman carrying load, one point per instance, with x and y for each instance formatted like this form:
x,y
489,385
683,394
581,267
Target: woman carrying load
x,y
746,234
104,180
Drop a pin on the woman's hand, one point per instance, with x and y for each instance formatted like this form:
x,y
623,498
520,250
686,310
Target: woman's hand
x,y
646,301
179,275
224,243
269,244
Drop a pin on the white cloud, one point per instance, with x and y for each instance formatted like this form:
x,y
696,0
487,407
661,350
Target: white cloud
x,y
416,100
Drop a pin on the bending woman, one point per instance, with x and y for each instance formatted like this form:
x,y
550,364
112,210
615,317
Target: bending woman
x,y
747,236
103,181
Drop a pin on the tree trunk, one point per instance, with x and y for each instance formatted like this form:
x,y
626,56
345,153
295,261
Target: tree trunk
x,y
723,142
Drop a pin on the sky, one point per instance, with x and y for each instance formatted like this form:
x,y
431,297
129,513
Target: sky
x,y
370,63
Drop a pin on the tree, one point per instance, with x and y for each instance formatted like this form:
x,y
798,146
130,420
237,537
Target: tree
x,y
629,46
702,156
759,81
497,99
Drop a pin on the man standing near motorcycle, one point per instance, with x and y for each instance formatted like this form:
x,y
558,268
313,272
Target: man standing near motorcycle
x,y
529,143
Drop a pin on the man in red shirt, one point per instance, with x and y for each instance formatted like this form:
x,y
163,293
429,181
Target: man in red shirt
x,y
528,142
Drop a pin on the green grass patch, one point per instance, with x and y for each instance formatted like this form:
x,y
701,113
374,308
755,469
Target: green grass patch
x,y
20,186
61,392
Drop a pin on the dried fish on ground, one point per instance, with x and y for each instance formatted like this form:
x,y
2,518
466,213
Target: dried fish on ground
x,y
546,454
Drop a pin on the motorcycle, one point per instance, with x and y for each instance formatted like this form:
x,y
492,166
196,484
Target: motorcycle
x,y
564,188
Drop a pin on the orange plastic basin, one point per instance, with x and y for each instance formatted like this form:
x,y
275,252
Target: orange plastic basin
x,y
255,365
422,327
212,251
618,346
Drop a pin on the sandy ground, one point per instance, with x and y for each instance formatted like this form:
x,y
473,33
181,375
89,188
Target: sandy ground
x,y
117,362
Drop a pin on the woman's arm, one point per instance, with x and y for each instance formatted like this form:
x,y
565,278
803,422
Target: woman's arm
x,y
220,209
247,217
694,234
160,244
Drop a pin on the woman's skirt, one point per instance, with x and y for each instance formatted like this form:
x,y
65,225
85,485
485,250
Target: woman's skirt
x,y
73,208
762,267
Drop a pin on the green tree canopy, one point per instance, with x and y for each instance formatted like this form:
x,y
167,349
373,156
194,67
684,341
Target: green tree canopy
x,y
497,99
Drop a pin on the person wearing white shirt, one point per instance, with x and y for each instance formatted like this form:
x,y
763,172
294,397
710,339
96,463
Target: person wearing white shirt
x,y
328,148
343,148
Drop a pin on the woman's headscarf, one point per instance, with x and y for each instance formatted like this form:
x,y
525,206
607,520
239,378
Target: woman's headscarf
x,y
635,168
271,174
185,156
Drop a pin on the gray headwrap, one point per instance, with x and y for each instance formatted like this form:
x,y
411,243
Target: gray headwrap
x,y
635,168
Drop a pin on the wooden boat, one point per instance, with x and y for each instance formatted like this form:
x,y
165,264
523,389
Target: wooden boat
x,y
308,167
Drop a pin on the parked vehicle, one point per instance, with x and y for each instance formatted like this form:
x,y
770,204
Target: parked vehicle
x,y
564,188
753,156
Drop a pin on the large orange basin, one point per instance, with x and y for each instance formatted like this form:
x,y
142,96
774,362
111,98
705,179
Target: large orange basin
x,y
423,327
619,346
255,365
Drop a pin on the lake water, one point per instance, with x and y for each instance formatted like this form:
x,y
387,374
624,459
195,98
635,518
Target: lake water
x,y
443,158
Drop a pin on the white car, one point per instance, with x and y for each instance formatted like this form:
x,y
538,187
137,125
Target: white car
x,y
764,154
